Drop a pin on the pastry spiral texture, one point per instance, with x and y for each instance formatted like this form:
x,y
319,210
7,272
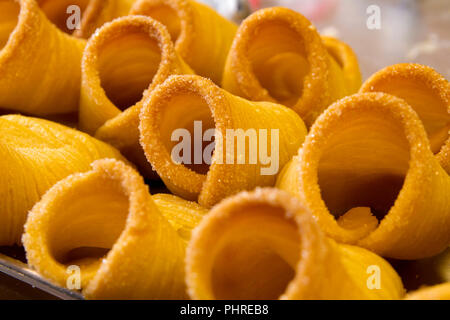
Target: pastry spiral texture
x,y
367,173
98,12
39,64
202,37
267,46
184,100
266,245
122,60
92,14
428,93
127,245
35,154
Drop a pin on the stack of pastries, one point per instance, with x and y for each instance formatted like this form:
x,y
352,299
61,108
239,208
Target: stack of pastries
x,y
88,116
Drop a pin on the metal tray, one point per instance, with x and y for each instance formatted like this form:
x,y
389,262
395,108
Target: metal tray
x,y
19,282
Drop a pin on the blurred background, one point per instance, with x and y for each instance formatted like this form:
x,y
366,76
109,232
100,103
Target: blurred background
x,y
410,30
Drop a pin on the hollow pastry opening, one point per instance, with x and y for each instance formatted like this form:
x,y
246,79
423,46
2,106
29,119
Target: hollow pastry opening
x,y
362,167
87,224
57,11
256,255
279,61
426,92
127,65
9,16
163,12
187,131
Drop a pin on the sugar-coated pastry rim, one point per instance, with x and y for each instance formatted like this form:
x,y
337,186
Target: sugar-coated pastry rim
x,y
223,178
310,154
314,250
424,75
160,158
318,254
28,19
315,92
150,243
90,74
34,239
139,220
185,15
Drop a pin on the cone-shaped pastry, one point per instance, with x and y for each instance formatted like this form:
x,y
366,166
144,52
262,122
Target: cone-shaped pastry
x,y
35,154
202,36
39,64
347,60
367,173
123,59
428,93
439,292
260,64
98,12
251,140
92,14
265,245
105,222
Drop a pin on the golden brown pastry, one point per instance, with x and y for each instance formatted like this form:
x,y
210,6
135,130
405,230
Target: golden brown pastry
x,y
267,46
202,37
39,64
428,93
104,221
94,13
367,173
123,60
256,139
266,245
